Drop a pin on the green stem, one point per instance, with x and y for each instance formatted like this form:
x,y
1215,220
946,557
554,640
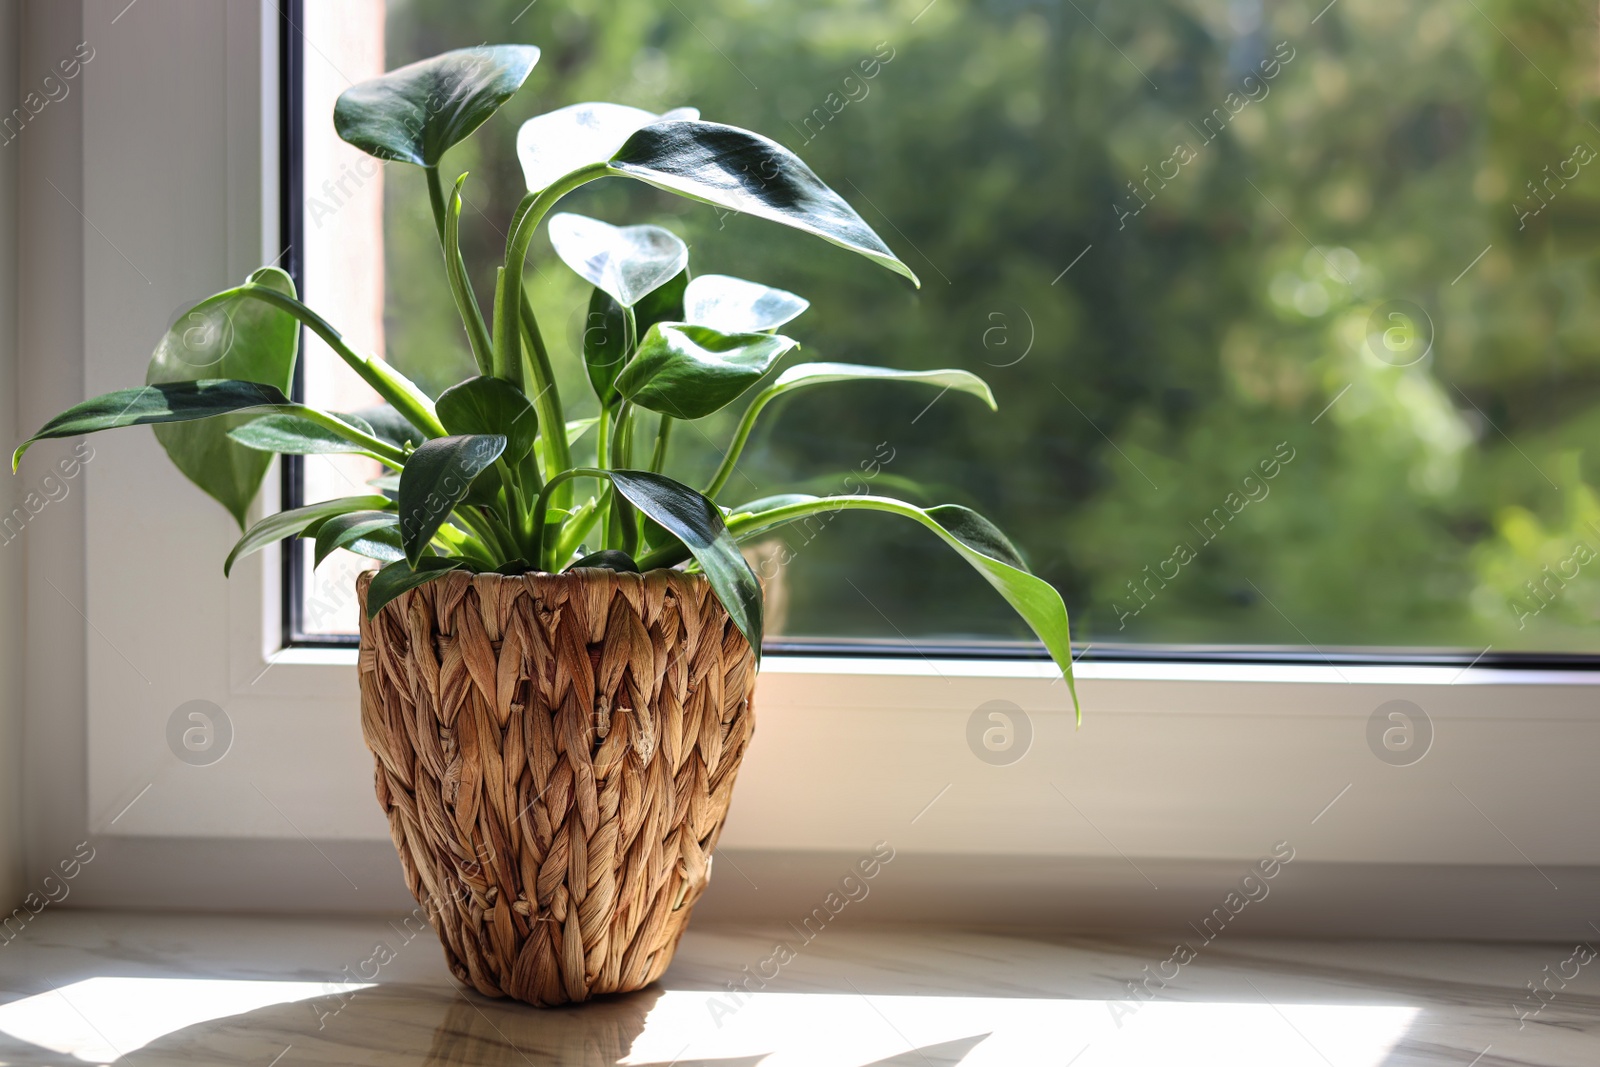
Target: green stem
x,y
541,507
658,458
546,398
387,382
620,529
750,525
455,268
620,435
508,284
436,199
491,531
379,449
602,446
576,529
507,357
741,436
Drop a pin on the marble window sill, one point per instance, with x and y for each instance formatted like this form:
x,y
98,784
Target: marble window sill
x,y
85,987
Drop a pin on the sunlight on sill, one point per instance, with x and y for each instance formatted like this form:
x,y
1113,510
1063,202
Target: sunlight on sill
x,y
102,1020
850,1030
106,1020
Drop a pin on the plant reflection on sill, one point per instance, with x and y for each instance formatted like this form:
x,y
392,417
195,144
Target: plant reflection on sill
x,y
132,1020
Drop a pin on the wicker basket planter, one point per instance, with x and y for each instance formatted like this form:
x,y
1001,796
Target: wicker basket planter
x,y
555,754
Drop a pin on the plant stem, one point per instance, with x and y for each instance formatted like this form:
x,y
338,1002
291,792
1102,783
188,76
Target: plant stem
x,y
379,449
741,436
602,446
455,269
750,525
620,530
389,383
507,356
576,529
491,531
436,199
547,400
508,283
541,506
658,458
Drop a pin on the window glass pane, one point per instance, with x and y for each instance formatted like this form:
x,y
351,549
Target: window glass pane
x,y
342,277
1291,317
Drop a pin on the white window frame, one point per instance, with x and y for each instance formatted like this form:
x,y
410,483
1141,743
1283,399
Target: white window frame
x,y
1174,761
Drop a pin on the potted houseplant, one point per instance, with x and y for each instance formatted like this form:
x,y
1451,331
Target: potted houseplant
x,y
557,656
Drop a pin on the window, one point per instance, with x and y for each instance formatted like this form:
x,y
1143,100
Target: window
x,y
1290,316
1206,741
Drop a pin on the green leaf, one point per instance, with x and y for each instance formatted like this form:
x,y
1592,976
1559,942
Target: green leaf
x,y
576,428
436,478
374,534
732,168
605,345
389,425
697,522
734,305
690,371
398,577
609,559
297,522
294,435
234,337
388,484
415,113
154,404
605,331
490,406
974,537
805,374
627,262
553,145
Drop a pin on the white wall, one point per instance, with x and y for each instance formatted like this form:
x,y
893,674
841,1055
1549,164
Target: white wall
x,y
49,338
11,551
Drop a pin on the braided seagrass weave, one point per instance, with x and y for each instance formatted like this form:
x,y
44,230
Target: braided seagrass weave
x,y
555,754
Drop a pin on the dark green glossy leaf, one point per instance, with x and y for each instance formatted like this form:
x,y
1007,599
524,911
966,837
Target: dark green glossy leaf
x,y
609,559
436,478
732,168
297,522
627,262
697,522
489,405
605,344
374,534
398,578
605,332
690,371
553,145
415,113
155,404
734,305
292,435
232,337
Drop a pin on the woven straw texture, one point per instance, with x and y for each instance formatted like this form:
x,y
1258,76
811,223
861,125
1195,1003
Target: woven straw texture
x,y
555,754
